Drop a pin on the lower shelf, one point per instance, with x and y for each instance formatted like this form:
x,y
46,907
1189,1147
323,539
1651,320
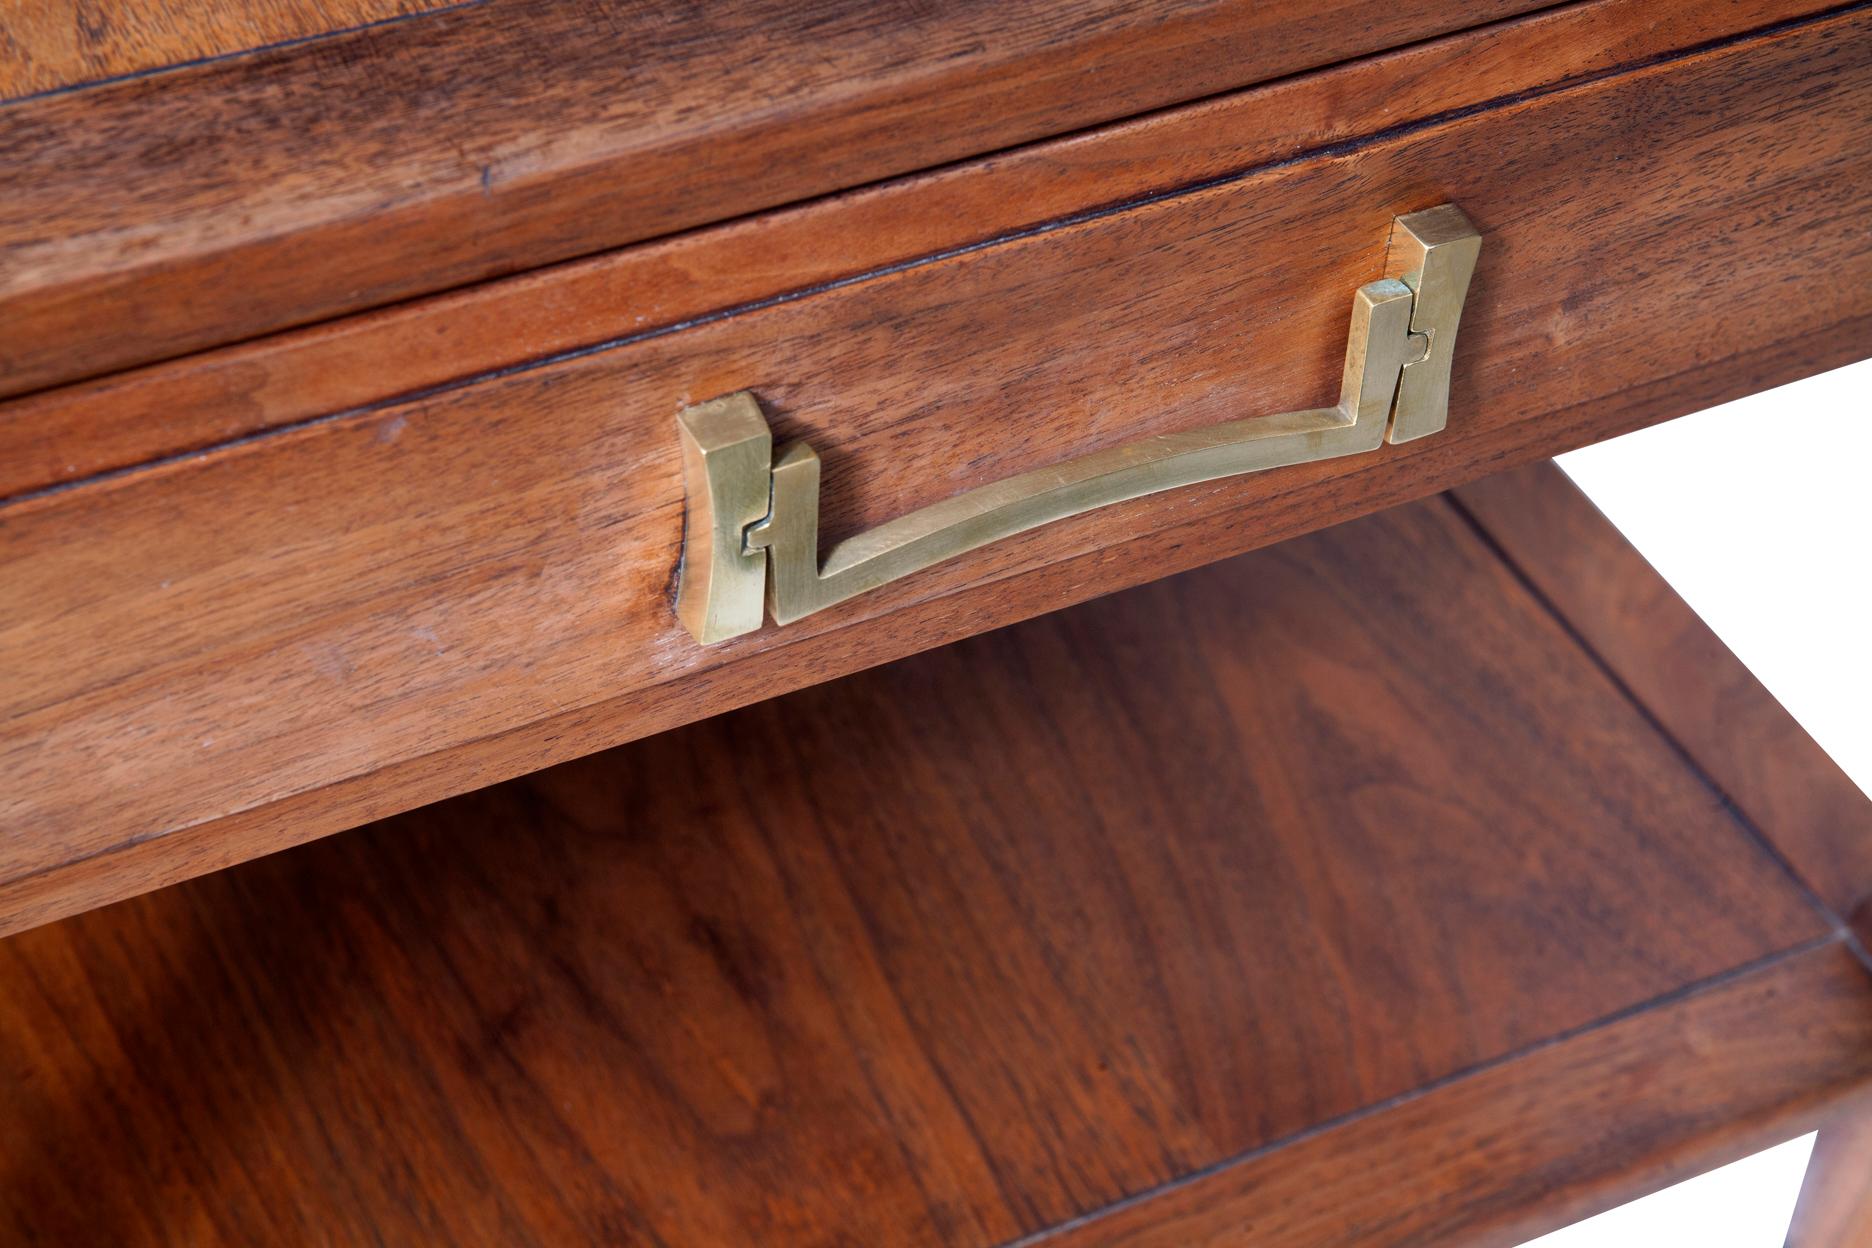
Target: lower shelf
x,y
1334,894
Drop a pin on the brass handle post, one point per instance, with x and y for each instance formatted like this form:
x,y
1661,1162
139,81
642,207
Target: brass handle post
x,y
753,518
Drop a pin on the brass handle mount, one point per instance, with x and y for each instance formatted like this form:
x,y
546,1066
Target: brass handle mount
x,y
752,519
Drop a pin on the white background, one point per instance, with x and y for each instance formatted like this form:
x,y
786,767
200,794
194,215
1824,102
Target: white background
x,y
1758,513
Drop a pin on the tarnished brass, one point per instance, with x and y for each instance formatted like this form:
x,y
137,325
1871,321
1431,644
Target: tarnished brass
x,y
727,474
1434,253
753,522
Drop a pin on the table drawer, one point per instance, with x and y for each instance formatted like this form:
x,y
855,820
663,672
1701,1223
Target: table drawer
x,y
276,638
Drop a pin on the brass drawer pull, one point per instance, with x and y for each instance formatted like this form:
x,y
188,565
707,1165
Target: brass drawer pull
x,y
753,520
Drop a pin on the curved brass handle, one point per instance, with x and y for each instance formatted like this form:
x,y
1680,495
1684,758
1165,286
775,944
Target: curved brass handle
x,y
753,521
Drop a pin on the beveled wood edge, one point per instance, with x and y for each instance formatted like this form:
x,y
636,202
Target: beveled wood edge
x,y
63,436
437,125
1537,1140
182,853
285,36
1808,813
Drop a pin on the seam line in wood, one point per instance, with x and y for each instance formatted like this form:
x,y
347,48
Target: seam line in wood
x,y
1340,147
1730,807
1713,983
277,45
545,727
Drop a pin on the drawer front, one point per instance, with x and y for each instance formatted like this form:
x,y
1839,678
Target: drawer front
x,y
279,638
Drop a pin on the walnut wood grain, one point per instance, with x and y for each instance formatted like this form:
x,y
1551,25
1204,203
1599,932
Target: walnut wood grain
x,y
154,217
182,405
221,656
1524,1148
1702,694
48,45
965,947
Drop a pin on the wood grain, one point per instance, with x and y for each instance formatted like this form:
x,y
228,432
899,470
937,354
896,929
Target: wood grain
x,y
187,404
1566,1132
964,947
46,45
153,217
1702,694
216,658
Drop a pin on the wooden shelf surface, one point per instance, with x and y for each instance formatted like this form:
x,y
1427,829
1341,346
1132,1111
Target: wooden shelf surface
x,y
1338,893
